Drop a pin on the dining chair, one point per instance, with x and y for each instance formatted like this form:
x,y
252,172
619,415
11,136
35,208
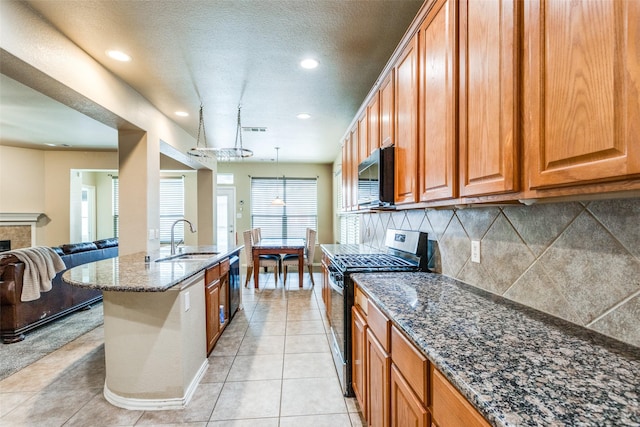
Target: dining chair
x,y
257,234
291,260
265,260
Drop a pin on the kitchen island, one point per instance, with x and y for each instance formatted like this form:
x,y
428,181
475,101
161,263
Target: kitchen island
x,y
154,324
515,365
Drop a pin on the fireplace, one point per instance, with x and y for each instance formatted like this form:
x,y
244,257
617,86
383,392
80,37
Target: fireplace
x,y
19,229
5,245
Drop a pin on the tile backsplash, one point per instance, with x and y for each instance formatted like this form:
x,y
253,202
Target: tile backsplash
x,y
579,261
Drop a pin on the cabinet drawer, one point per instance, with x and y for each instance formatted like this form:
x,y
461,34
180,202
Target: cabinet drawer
x,y
361,301
410,362
224,267
212,274
449,408
379,325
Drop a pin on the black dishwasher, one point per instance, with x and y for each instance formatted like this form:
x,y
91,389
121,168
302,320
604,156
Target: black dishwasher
x,y
234,285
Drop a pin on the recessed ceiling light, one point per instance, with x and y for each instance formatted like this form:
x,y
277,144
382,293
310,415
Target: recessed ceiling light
x,y
309,63
50,145
182,113
118,55
304,116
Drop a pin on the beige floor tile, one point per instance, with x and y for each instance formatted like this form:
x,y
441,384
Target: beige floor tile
x,y
49,408
356,419
312,396
316,343
303,314
256,367
329,420
227,345
198,410
271,344
257,329
107,414
305,327
201,424
252,422
237,327
308,365
248,399
270,315
12,400
303,304
352,404
218,369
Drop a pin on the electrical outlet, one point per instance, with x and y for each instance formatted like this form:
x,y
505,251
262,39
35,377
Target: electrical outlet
x,y
475,251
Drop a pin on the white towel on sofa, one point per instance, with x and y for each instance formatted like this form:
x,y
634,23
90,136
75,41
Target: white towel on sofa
x,y
41,264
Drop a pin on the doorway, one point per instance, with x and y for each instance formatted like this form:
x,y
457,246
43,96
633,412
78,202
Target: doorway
x,y
225,217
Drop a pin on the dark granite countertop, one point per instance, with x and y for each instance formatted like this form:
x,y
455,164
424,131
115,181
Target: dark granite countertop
x,y
130,273
516,365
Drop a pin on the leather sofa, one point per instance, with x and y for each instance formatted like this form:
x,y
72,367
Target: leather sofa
x,y
17,317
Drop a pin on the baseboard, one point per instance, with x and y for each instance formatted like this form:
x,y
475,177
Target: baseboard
x,y
157,404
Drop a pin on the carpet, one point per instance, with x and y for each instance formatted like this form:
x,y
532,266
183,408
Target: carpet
x,y
48,338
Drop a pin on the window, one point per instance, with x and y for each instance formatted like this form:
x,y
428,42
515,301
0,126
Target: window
x,y
224,178
171,208
291,220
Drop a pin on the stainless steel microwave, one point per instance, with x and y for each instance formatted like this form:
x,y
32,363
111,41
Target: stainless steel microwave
x,y
376,179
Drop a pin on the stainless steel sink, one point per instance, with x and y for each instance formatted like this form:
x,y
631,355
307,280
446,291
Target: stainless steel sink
x,y
200,256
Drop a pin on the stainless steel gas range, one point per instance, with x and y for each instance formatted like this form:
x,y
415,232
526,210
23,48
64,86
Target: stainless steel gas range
x,y
405,251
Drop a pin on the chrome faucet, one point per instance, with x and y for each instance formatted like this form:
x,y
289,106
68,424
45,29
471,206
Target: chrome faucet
x,y
173,244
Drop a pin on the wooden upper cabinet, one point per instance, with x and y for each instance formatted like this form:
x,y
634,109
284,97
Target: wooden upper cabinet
x,y
437,103
406,125
363,137
373,118
354,166
346,174
386,111
581,80
488,97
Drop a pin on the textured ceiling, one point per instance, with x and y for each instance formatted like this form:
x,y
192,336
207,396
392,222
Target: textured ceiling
x,y
222,54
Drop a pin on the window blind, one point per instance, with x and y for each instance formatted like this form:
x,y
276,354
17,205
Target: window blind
x,y
171,208
291,220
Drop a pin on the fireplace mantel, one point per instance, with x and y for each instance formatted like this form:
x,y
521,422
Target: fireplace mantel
x,y
19,217
21,226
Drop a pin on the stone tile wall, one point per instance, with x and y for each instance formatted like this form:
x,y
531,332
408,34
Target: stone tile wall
x,y
20,235
579,261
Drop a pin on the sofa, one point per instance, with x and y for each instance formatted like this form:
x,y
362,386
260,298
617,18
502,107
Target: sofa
x,y
18,317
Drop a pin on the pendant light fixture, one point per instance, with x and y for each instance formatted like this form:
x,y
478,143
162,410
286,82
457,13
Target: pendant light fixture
x,y
198,151
235,152
277,201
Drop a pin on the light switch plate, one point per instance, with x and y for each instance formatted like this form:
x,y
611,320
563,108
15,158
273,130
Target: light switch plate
x,y
475,251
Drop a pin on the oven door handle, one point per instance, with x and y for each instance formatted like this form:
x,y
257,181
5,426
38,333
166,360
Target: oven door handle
x,y
335,287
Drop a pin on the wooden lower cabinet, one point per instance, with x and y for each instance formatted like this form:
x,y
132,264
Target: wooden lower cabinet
x,y
378,368
216,293
212,302
359,360
326,287
401,387
449,408
406,408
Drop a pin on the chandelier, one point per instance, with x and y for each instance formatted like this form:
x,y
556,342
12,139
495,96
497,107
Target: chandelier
x,y
235,152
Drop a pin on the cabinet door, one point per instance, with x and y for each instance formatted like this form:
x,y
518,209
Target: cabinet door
x,y
363,137
358,355
438,68
449,408
406,408
378,366
406,125
488,128
373,118
386,111
212,302
224,299
353,140
581,78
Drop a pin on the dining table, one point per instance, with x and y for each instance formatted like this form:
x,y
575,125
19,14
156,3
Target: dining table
x,y
277,246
